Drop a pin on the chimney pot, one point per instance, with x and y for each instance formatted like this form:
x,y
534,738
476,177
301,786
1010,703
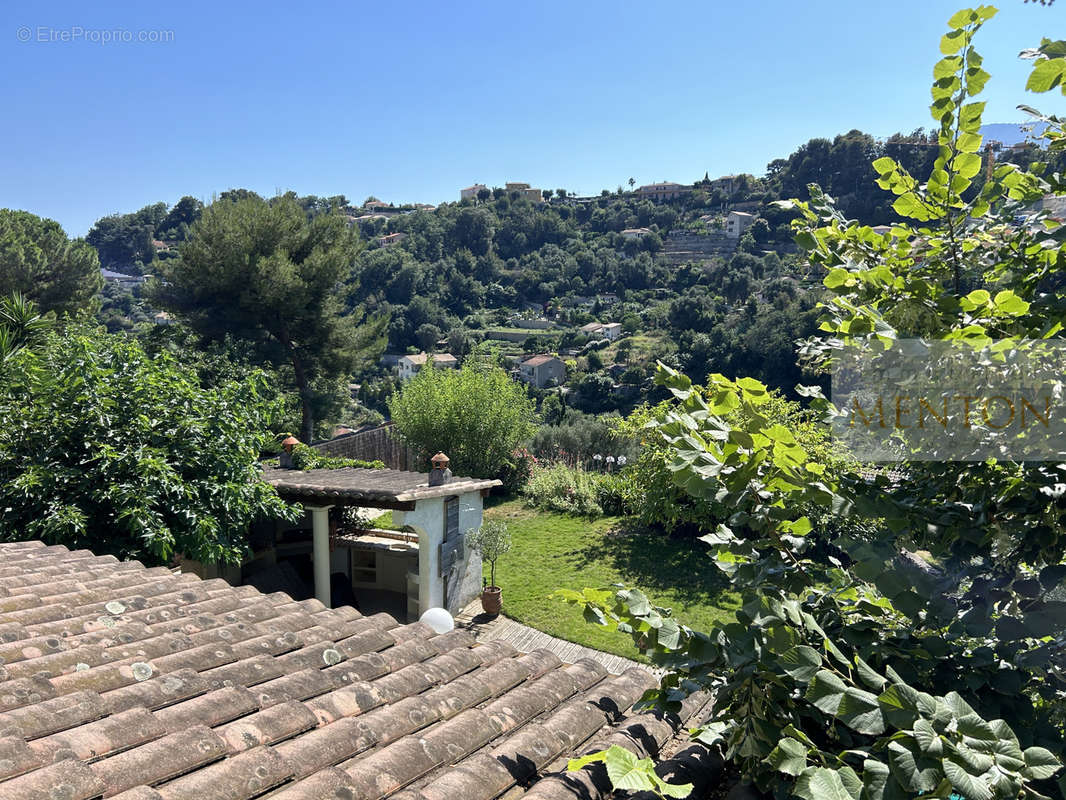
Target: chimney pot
x,y
440,474
285,459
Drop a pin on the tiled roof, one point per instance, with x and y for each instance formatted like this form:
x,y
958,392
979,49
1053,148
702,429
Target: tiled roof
x,y
438,358
371,485
536,361
141,684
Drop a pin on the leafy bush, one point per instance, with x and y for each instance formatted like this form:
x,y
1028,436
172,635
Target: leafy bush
x,y
105,448
882,676
651,495
305,457
646,487
578,437
610,492
477,415
570,491
518,470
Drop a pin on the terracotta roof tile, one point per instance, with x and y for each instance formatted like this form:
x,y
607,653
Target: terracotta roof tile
x,y
211,709
249,671
349,701
243,776
24,692
139,793
172,755
70,779
328,782
118,681
273,724
32,648
17,757
101,738
49,716
158,692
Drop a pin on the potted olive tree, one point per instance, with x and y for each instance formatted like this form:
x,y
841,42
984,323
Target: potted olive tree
x,y
490,541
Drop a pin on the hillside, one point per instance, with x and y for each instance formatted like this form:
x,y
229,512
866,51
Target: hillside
x,y
708,276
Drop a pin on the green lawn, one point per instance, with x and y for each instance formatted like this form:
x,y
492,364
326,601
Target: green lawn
x,y
552,551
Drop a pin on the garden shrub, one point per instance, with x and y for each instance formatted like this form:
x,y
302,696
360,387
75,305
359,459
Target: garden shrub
x,y
610,490
305,457
569,491
579,436
650,494
477,415
517,471
107,448
864,679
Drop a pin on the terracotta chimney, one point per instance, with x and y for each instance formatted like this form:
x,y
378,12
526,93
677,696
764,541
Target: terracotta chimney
x,y
285,460
440,473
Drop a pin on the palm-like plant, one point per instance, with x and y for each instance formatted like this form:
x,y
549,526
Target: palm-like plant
x,y
20,323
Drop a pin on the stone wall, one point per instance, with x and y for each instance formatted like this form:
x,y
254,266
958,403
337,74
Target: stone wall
x,y
683,247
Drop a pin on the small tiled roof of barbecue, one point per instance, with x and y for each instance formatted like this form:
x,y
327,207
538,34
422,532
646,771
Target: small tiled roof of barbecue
x,y
351,484
144,684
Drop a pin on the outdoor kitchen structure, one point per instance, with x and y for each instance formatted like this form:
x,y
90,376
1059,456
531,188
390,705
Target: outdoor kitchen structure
x,y
403,572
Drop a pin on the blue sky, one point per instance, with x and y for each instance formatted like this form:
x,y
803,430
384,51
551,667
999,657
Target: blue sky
x,y
412,101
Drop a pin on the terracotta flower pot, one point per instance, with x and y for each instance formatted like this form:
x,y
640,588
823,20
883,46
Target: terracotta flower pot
x,y
491,601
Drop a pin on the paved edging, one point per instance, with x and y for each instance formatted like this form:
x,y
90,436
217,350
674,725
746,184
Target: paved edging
x,y
526,639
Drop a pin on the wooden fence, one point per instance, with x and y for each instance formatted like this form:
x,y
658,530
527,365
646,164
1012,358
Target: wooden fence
x,y
373,444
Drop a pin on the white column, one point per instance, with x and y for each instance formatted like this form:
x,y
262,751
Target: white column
x,y
427,518
320,552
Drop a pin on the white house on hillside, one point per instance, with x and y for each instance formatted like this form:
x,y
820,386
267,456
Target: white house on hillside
x,y
122,279
470,192
408,366
667,190
542,370
391,239
737,222
598,330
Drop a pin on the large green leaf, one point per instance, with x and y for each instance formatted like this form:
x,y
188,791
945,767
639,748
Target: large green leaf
x,y
1040,763
801,662
875,778
970,786
789,757
927,738
914,771
628,772
1046,75
859,710
899,705
819,783
826,691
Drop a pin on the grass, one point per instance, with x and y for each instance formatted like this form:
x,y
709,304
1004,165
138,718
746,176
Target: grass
x,y
554,551
641,345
